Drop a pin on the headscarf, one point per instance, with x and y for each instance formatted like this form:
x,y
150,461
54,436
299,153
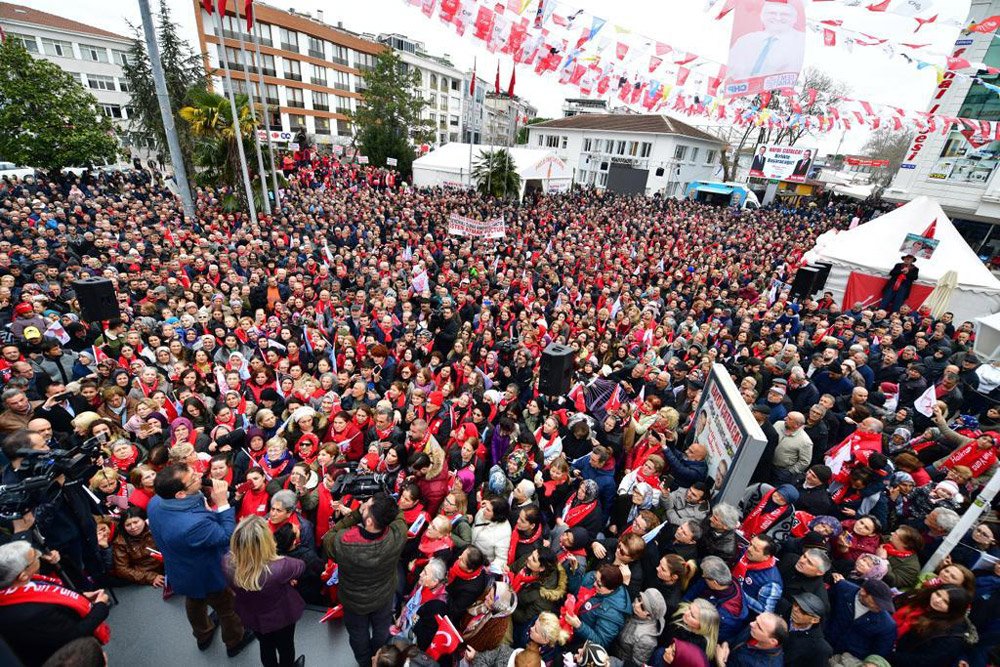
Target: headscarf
x,y
589,487
182,421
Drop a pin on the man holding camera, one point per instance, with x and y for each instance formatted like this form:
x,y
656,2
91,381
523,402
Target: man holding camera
x,y
194,540
367,544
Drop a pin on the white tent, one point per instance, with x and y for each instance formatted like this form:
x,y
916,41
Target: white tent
x,y
448,165
873,249
988,337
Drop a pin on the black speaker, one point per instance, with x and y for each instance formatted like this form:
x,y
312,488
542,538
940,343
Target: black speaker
x,y
802,284
97,298
824,273
557,370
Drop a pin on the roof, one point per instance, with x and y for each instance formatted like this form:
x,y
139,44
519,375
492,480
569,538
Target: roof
x,y
22,14
716,188
616,122
875,245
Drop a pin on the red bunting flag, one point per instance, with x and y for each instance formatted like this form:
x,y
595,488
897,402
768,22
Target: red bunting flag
x,y
248,11
484,23
682,75
621,49
879,7
765,99
811,96
208,6
726,8
922,22
931,228
829,37
654,62
685,58
496,84
986,25
448,10
914,46
958,63
663,49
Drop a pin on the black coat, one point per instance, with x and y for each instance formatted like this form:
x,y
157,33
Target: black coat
x,y
796,583
807,648
463,593
36,631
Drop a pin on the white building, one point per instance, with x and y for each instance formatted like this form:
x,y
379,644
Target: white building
x,y
631,153
93,56
574,106
505,115
442,85
961,176
474,121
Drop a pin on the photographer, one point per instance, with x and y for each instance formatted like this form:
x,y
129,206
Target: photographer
x,y
60,407
367,545
38,615
193,541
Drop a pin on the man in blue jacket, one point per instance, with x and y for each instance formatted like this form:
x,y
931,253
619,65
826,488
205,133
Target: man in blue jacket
x,y
861,618
194,540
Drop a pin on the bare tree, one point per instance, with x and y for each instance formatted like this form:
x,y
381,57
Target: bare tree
x,y
828,90
887,144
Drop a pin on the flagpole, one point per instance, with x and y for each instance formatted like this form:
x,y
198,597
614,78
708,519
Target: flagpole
x,y
472,94
264,108
253,113
236,119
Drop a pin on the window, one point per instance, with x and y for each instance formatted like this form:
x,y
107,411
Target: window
x,y
120,57
129,111
233,57
586,145
563,142
264,33
322,125
710,157
112,110
293,70
453,121
321,101
98,82
609,146
647,149
541,139
620,148
456,85
680,152
271,90
364,61
694,154
433,81
359,85
296,122
318,75
342,104
29,42
289,39
295,98
267,63
633,148
341,80
316,48
344,128
96,53
339,55
123,85
58,48
552,141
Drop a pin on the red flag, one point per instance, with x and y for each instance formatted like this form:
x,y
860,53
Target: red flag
x,y
879,7
663,49
484,23
958,63
510,86
686,58
614,401
576,393
682,75
332,613
728,7
654,62
248,10
811,96
208,6
765,99
446,640
922,22
829,37
620,50
496,84
986,25
221,5
472,86
929,232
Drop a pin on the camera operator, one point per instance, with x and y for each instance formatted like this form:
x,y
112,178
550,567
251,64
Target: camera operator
x,y
367,544
194,540
60,407
38,615
445,325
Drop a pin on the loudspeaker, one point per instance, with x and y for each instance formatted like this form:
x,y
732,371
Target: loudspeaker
x,y
557,370
824,273
802,284
97,298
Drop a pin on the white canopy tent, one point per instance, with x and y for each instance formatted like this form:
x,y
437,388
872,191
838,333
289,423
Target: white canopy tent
x,y
873,249
448,165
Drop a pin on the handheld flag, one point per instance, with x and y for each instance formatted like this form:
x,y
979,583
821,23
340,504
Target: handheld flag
x,y
446,640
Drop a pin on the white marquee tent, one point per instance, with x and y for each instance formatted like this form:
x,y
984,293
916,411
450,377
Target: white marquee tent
x,y
448,165
873,249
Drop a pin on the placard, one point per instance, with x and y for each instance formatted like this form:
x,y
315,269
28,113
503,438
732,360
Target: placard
x,y
459,225
921,247
767,46
391,162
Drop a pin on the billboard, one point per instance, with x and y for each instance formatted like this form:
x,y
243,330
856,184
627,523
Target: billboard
x,y
966,158
767,46
784,163
733,438
921,247
865,162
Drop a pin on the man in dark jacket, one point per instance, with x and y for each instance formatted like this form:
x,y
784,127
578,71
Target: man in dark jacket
x,y
689,469
762,647
806,645
873,631
367,545
194,540
803,573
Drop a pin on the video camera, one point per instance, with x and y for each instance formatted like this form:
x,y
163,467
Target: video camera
x,y
41,469
360,486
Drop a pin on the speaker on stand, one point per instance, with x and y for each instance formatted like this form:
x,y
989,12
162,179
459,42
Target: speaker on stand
x,y
556,373
821,278
803,285
97,298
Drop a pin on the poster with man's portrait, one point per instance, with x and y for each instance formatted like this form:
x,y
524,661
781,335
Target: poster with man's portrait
x,y
921,247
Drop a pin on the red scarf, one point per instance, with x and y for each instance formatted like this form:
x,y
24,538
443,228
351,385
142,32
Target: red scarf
x,y
516,538
324,511
430,547
744,565
125,464
574,514
254,502
758,522
458,572
522,579
45,590
970,455
897,553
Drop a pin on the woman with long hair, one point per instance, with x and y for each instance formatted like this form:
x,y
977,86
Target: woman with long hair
x,y
265,598
696,622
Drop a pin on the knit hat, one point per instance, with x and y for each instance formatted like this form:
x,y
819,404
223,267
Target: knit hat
x,y
270,394
822,472
830,521
789,493
23,309
875,661
436,398
902,433
655,606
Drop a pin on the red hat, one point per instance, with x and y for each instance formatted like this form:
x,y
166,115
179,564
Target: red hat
x,y
23,309
436,398
371,460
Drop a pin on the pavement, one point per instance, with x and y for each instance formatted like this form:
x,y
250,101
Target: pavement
x,y
149,631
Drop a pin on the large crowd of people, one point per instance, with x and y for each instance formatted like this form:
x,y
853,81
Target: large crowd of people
x,y
340,406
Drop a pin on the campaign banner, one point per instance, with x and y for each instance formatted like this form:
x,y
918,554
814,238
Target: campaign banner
x,y
733,438
459,225
362,159
767,46
865,162
391,162
866,290
783,163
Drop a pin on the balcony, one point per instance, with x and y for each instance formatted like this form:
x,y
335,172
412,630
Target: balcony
x,y
342,86
269,71
339,61
316,81
295,104
344,110
292,76
290,47
321,107
322,130
315,53
273,101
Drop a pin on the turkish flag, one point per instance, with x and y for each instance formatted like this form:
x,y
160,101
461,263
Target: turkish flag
x,y
446,640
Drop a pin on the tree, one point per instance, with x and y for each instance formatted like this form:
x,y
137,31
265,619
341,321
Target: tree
x,y
522,131
47,119
887,144
183,71
496,174
209,118
388,121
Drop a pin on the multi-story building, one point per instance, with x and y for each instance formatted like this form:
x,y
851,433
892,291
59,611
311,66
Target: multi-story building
x,y
313,71
505,115
473,109
574,106
640,153
92,56
441,84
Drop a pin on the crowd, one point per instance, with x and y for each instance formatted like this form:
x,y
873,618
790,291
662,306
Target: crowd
x,y
339,406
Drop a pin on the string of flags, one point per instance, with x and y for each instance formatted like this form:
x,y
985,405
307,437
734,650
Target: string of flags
x,y
603,58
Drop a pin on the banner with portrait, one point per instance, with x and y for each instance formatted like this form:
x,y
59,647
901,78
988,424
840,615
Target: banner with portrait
x,y
767,46
783,163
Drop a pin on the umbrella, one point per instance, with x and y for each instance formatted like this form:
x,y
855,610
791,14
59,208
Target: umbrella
x,y
939,298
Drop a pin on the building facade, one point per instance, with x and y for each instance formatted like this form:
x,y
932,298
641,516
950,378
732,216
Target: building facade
x,y
313,71
574,106
671,153
962,176
505,115
92,56
473,109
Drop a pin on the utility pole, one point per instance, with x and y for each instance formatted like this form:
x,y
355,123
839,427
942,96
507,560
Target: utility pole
x,y
166,114
253,114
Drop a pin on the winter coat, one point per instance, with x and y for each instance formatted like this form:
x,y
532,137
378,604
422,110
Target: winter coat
x,y
193,540
733,610
807,648
679,510
133,560
493,539
602,616
277,604
872,632
605,479
903,571
367,566
637,641
685,471
937,650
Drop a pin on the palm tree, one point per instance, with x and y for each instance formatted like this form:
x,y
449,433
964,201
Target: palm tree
x,y
496,174
216,154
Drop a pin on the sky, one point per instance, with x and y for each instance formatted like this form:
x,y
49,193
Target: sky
x,y
870,74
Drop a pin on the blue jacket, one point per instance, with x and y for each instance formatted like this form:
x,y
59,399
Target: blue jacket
x,y
874,632
605,478
193,540
603,616
762,589
684,471
733,610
